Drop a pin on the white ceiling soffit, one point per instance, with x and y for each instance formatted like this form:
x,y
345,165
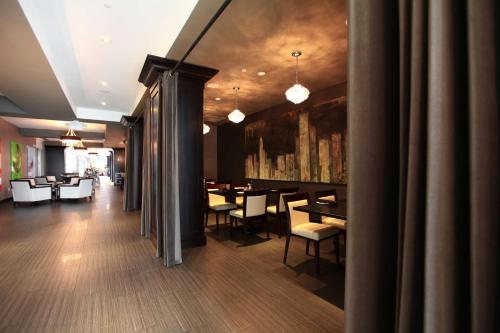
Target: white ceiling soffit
x,y
52,124
96,48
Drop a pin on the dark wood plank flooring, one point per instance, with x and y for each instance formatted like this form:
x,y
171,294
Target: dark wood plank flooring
x,y
82,267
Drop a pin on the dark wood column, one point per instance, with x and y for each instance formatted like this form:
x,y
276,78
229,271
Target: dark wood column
x,y
133,163
191,83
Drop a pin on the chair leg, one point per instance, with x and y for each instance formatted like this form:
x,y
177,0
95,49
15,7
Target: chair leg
x,y
307,246
266,220
206,218
231,226
316,250
337,247
225,217
279,226
217,221
286,248
244,233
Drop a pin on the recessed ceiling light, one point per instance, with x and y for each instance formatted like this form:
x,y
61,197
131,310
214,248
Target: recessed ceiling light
x,y
106,40
244,70
103,103
261,73
104,83
217,98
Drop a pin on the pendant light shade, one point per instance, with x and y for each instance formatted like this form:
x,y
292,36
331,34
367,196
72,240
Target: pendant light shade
x,y
80,146
206,128
70,139
236,116
297,93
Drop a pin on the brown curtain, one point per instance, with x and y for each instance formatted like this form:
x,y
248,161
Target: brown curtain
x,y
424,201
146,206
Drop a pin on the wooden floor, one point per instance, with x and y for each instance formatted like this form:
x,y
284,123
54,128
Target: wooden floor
x,y
82,267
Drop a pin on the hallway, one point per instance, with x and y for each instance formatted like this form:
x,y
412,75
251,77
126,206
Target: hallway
x,y
69,266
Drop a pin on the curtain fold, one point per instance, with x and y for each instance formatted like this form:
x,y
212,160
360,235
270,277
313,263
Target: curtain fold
x,y
170,218
146,205
424,157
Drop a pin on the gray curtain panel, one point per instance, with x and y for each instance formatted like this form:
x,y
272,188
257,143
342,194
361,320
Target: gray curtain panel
x,y
146,206
424,201
171,235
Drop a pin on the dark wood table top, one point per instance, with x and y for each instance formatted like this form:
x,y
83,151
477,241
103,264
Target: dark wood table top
x,y
337,210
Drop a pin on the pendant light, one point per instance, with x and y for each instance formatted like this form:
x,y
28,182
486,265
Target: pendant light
x,y
297,93
80,146
206,128
70,139
236,116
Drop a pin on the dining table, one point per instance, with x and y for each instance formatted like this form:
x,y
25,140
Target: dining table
x,y
336,209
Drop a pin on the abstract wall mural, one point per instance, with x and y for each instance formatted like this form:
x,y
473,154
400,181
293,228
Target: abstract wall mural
x,y
15,160
305,145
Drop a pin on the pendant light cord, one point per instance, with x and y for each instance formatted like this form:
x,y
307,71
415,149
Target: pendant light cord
x,y
297,69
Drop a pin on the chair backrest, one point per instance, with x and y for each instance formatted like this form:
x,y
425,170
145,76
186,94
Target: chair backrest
x,y
74,180
239,186
216,199
330,195
21,189
51,179
41,180
224,185
294,217
254,203
282,192
85,185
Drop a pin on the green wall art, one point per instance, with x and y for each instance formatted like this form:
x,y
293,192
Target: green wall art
x,y
15,160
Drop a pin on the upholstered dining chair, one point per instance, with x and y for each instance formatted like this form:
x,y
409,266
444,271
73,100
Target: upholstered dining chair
x,y
299,225
239,188
254,208
331,195
217,203
278,210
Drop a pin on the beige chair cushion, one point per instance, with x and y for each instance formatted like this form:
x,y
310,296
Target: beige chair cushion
x,y
238,213
271,209
282,202
341,224
256,205
239,201
328,197
223,206
296,217
314,231
216,199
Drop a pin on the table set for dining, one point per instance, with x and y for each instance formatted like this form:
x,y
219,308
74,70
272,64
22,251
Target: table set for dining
x,y
324,217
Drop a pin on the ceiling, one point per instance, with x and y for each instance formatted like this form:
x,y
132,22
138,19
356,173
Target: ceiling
x,y
53,124
96,48
260,35
30,87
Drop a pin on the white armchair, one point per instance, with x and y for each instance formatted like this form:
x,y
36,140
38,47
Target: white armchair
x,y
25,190
80,189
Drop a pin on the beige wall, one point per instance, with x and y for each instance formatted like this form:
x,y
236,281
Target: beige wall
x,y
8,133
